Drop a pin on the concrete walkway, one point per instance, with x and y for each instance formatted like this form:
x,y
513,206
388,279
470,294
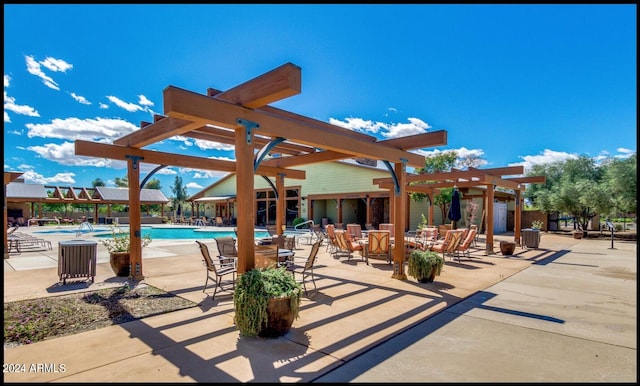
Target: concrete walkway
x,y
566,312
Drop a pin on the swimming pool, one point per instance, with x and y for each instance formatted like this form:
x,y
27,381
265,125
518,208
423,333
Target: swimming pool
x,y
179,233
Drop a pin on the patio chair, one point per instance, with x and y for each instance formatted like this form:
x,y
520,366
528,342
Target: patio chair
x,y
226,247
369,227
332,245
355,231
464,246
306,270
386,227
379,245
347,246
452,239
218,268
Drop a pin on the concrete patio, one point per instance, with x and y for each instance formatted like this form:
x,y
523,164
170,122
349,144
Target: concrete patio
x,y
566,312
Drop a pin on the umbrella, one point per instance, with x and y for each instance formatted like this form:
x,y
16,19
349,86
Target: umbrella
x,y
455,213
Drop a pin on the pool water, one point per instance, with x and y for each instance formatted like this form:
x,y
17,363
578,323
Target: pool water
x,y
179,233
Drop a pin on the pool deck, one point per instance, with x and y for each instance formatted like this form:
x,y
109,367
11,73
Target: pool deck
x,y
566,312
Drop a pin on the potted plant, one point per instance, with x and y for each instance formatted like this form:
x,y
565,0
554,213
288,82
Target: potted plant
x,y
266,301
425,265
118,246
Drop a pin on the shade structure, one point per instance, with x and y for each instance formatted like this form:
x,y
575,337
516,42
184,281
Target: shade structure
x,y
455,213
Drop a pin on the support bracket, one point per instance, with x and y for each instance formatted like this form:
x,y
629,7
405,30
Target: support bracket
x,y
249,126
136,160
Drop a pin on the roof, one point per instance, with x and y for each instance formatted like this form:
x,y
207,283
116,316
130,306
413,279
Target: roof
x,y
122,195
215,198
22,190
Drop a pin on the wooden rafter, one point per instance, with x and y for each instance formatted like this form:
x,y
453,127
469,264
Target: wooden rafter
x,y
191,106
102,150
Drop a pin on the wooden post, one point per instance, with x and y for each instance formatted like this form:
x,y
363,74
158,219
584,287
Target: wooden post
x,y
245,199
400,202
517,220
489,222
280,207
135,238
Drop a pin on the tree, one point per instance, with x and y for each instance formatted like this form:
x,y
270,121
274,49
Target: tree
x,y
622,178
98,182
439,162
122,182
576,187
153,183
179,192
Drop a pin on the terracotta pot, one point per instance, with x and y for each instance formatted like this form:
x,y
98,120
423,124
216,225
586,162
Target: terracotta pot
x,y
507,247
280,318
577,235
120,263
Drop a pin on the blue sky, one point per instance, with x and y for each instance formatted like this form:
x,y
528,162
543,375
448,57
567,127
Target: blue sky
x,y
513,84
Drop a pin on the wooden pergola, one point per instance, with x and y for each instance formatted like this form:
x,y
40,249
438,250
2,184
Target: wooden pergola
x,y
242,116
488,178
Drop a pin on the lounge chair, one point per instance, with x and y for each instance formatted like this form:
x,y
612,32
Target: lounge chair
x,y
218,268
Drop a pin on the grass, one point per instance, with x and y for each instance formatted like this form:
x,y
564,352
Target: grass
x,y
34,320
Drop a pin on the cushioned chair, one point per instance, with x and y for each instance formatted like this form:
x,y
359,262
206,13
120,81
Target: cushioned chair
x,y
464,246
332,245
448,246
347,246
355,231
217,268
304,266
379,245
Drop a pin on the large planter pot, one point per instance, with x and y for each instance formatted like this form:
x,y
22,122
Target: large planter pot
x,y
428,279
120,263
577,234
281,317
507,247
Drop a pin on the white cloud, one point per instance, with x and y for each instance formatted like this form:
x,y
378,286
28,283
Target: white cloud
x,y
548,156
60,178
64,154
193,185
103,106
207,145
56,65
394,130
144,101
130,107
10,104
80,99
99,129
33,67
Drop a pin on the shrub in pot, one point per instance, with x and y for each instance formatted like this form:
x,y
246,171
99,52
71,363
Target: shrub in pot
x,y
425,265
266,301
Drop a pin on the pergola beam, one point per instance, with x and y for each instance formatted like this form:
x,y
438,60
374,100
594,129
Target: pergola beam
x,y
455,175
191,106
102,150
